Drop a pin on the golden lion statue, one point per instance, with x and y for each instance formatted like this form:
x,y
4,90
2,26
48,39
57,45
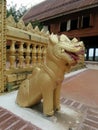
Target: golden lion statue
x,y
45,81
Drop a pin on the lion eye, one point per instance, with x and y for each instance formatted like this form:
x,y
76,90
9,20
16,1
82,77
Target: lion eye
x,y
67,64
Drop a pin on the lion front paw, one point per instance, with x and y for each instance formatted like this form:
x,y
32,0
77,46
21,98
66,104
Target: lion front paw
x,y
57,108
49,113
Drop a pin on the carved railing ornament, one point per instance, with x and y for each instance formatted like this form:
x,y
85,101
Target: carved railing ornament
x,y
10,21
36,30
47,33
29,28
21,25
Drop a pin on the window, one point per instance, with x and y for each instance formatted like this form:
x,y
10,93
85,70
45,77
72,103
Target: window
x,y
68,25
49,28
85,22
63,26
91,52
96,54
74,24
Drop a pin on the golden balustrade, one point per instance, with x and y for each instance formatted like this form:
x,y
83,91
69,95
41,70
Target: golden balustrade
x,y
22,47
25,56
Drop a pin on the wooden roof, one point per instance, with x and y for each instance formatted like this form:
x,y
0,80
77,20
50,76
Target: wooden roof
x,y
53,8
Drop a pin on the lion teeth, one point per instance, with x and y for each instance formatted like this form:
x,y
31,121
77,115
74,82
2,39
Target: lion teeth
x,y
62,50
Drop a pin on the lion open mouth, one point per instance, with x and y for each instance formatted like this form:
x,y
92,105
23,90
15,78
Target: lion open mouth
x,y
74,56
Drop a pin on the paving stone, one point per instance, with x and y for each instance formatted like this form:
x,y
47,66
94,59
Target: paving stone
x,y
68,102
91,123
76,104
83,108
62,99
82,87
9,121
93,118
4,117
86,127
92,112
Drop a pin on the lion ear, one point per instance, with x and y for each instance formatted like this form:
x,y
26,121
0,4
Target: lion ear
x,y
53,38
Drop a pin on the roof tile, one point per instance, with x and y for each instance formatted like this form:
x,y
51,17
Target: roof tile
x,y
51,8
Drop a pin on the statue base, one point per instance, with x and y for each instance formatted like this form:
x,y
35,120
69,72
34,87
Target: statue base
x,y
65,119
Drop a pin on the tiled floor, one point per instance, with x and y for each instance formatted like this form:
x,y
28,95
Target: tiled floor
x,y
82,87
9,121
60,121
91,114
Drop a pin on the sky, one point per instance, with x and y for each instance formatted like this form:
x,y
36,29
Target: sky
x,y
27,3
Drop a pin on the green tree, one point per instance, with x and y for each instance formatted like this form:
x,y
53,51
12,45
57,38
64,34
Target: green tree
x,y
37,23
16,13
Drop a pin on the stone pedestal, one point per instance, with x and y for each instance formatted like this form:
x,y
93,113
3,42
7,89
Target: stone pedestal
x,y
65,119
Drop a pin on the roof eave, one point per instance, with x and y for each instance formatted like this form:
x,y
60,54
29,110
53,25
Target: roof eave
x,y
69,12
65,13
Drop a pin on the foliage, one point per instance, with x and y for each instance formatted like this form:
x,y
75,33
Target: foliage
x,y
37,23
16,13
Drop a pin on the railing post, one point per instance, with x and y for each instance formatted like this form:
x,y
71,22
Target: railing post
x,y
27,60
34,58
44,54
21,57
39,54
12,55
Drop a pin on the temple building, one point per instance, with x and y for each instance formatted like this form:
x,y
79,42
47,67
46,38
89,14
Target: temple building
x,y
75,18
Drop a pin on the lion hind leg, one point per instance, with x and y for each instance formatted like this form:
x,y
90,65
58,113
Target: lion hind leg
x,y
48,103
23,94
